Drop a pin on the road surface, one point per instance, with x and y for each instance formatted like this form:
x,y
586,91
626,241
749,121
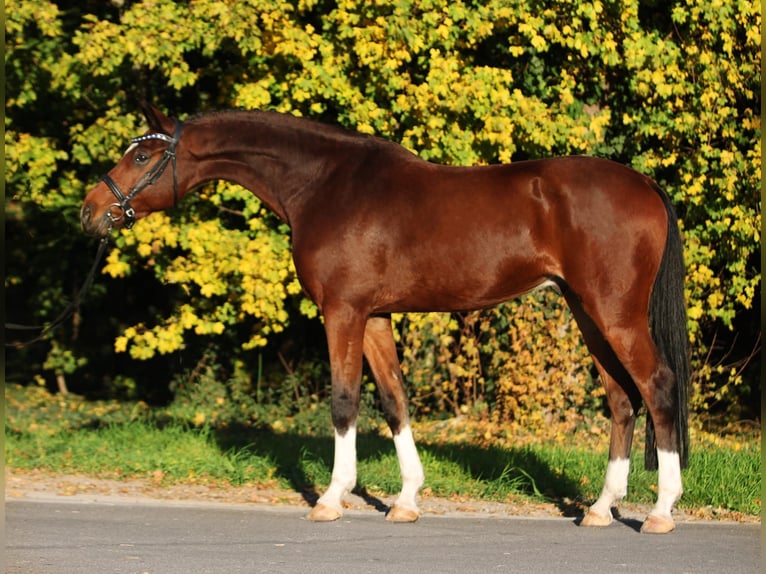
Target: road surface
x,y
54,536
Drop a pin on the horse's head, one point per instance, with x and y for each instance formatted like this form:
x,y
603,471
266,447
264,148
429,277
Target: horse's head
x,y
144,181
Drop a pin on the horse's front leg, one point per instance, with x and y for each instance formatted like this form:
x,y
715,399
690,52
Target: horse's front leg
x,y
380,350
345,330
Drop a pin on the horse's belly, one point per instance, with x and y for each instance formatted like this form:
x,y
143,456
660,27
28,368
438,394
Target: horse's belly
x,y
459,291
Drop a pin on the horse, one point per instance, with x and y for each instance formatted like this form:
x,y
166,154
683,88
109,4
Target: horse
x,y
376,230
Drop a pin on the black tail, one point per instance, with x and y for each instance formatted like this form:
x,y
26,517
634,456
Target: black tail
x,y
667,312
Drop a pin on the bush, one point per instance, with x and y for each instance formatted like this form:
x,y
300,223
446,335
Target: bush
x,y
523,363
671,89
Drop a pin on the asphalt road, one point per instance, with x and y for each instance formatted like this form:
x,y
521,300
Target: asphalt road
x,y
75,537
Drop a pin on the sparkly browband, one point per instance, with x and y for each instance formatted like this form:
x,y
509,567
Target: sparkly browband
x,y
163,137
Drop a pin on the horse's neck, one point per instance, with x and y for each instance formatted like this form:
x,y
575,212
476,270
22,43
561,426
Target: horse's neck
x,y
277,167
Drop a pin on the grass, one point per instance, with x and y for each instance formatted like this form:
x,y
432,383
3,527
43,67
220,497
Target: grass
x,y
111,440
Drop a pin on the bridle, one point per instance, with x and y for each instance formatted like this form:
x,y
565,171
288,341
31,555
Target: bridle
x,y
126,212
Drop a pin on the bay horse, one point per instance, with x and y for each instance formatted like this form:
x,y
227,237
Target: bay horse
x,y
377,230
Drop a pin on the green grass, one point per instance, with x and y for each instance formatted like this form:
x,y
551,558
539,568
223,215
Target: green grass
x,y
137,449
123,441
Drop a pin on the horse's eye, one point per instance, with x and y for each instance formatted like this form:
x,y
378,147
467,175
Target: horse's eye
x,y
141,158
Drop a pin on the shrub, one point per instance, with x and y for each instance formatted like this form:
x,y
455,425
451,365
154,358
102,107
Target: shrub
x,y
671,89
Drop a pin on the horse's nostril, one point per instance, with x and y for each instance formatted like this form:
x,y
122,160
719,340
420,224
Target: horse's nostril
x,y
85,215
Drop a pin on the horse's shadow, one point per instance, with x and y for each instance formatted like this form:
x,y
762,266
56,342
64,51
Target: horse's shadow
x,y
289,452
527,472
633,523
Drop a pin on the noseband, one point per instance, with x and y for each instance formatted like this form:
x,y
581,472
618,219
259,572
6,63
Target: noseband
x,y
126,212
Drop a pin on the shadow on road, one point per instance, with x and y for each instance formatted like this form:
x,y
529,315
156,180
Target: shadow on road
x,y
304,461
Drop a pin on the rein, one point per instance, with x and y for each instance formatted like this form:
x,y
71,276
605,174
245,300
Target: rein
x,y
126,212
68,311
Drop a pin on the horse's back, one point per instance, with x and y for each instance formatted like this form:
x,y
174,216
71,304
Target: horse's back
x,y
535,207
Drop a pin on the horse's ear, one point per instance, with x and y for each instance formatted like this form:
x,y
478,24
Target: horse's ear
x,y
158,122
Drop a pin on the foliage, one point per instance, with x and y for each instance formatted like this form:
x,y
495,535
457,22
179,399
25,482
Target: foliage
x,y
231,274
486,364
33,409
669,88
124,441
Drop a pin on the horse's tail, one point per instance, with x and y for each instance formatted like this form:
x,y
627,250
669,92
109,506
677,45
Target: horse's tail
x,y
667,312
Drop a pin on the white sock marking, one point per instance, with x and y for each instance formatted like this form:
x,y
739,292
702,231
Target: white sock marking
x,y
669,484
410,466
343,469
615,486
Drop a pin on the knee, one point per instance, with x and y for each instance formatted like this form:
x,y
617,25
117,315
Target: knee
x,y
394,411
345,410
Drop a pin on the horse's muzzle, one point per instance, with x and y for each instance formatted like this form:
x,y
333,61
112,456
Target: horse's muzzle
x,y
98,227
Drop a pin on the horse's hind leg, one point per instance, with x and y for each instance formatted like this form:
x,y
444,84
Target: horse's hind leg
x,y
628,359
660,397
656,383
624,400
623,408
380,350
345,329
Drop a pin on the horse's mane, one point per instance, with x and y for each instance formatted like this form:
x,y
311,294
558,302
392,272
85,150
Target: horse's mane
x,y
300,126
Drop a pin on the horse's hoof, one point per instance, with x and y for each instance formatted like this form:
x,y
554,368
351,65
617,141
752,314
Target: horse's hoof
x,y
657,525
594,519
323,513
402,514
